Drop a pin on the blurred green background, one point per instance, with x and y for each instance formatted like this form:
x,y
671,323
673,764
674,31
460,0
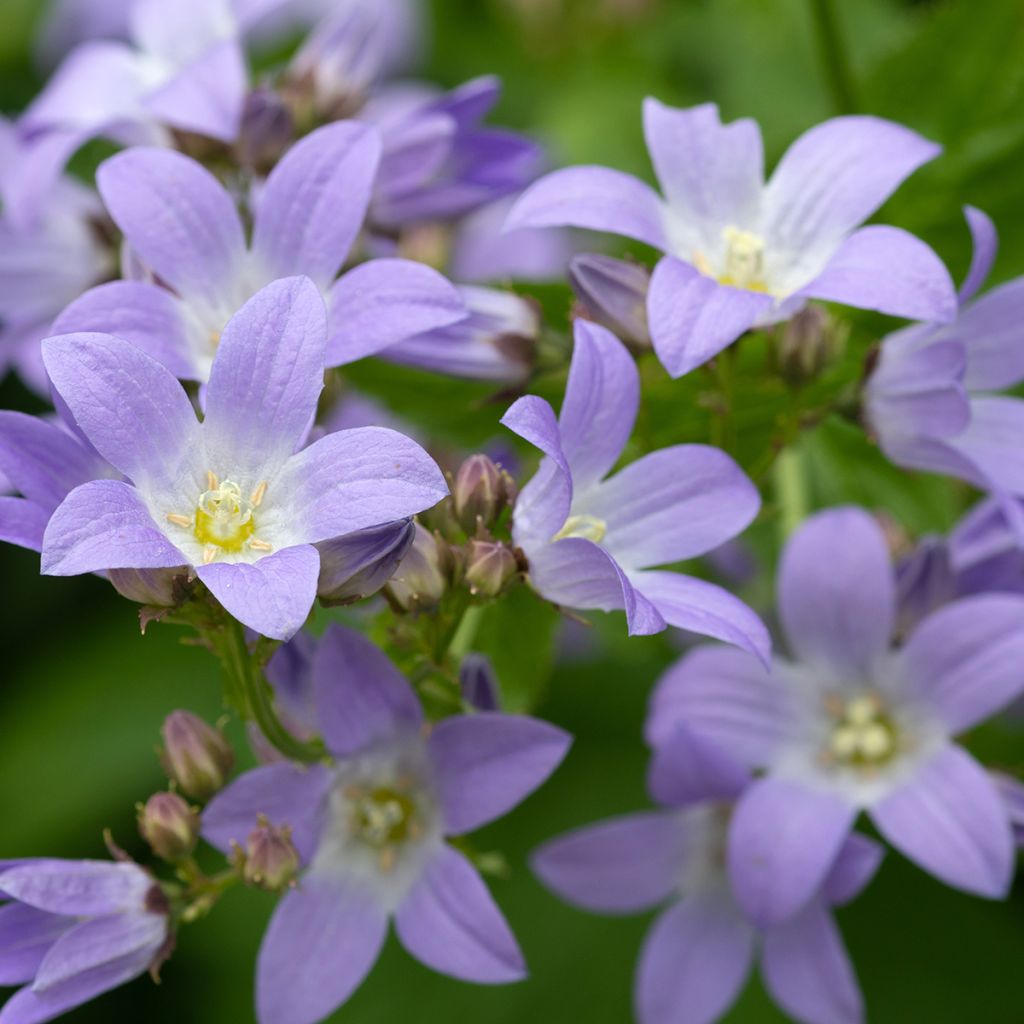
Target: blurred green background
x,y
83,693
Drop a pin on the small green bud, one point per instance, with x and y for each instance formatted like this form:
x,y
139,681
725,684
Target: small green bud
x,y
481,491
809,343
422,577
489,567
195,755
271,860
169,825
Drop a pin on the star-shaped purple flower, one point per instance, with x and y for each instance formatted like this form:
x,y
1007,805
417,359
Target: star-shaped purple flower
x,y
700,950
740,253
184,227
591,540
853,725
932,400
236,497
72,930
370,828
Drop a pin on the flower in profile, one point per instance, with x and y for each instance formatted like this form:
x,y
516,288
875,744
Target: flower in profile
x,y
852,725
370,831
932,397
439,162
236,497
184,227
700,950
591,540
740,253
72,930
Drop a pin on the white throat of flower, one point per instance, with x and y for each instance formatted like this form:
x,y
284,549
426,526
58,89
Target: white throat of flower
x,y
224,520
864,735
706,826
742,263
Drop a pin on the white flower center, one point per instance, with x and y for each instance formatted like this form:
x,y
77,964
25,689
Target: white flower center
x,y
743,261
864,734
224,519
587,527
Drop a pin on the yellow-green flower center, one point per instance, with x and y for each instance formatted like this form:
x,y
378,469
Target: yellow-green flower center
x,y
224,518
383,816
587,527
743,264
863,735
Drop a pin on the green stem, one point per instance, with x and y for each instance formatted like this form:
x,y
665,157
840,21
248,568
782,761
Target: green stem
x,y
833,55
790,490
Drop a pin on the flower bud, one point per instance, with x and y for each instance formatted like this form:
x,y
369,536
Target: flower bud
x,y
359,564
266,129
809,343
422,577
169,825
489,567
195,755
613,293
478,683
271,860
481,492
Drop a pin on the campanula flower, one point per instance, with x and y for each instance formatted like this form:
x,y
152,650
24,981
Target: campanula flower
x,y
740,253
184,227
371,827
850,724
236,497
932,399
592,540
699,952
72,930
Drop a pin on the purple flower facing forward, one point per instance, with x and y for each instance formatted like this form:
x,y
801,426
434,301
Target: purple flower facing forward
x,y
184,227
931,399
370,828
236,497
72,930
700,950
184,69
741,253
439,162
43,266
852,725
495,341
591,540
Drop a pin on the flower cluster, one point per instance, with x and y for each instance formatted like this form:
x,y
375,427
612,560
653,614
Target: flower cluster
x,y
372,584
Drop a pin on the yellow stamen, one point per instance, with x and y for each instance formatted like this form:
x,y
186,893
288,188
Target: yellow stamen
x,y
260,545
256,498
212,483
178,520
209,554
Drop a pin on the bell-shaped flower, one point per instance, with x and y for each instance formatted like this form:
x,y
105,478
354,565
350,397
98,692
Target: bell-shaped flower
x,y
851,724
71,930
699,952
370,828
740,253
932,399
237,498
184,227
592,540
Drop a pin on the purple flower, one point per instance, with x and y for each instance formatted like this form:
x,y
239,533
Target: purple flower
x,y
852,725
495,341
699,951
75,929
70,22
45,264
232,497
438,162
184,69
370,828
184,227
591,541
741,253
931,399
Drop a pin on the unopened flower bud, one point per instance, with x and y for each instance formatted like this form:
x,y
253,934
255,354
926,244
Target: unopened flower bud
x,y
271,860
809,343
169,825
195,755
359,564
613,293
489,566
478,683
266,129
422,577
480,493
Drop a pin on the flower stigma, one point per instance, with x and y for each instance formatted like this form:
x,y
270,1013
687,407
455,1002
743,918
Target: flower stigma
x,y
744,260
587,527
863,735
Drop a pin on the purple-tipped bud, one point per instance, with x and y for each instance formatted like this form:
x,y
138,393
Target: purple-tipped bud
x,y
489,566
422,577
613,293
481,493
271,860
195,755
809,343
358,565
479,684
169,825
267,129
